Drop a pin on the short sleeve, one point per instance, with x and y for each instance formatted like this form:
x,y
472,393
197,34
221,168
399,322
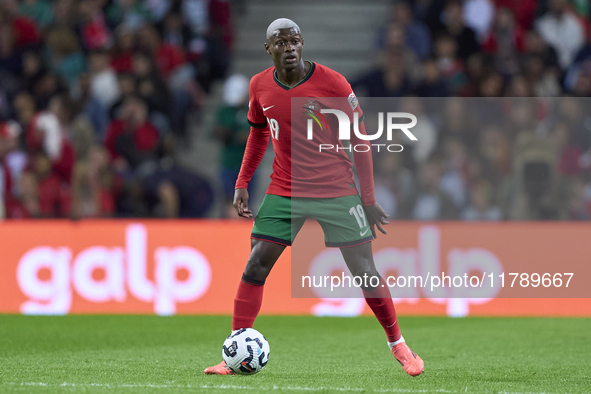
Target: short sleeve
x,y
256,118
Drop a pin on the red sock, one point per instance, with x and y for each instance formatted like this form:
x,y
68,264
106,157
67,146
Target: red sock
x,y
247,303
380,302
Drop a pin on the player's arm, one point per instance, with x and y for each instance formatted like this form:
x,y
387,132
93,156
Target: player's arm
x,y
363,160
375,214
256,146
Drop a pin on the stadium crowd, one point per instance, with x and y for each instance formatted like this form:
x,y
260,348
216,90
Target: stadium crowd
x,y
94,96
479,158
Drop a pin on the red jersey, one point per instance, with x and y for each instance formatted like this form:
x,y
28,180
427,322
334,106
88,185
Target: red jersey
x,y
299,168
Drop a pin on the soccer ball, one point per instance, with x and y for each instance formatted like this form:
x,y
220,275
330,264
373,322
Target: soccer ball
x,y
246,351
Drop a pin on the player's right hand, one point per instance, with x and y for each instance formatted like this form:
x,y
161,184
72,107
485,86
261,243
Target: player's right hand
x,y
241,203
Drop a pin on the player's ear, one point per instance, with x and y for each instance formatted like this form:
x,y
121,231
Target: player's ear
x,y
267,47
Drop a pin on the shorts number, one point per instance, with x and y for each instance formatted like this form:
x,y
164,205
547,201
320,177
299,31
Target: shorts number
x,y
359,214
274,125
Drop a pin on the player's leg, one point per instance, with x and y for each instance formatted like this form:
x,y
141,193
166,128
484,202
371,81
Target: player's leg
x,y
359,260
345,226
249,296
272,232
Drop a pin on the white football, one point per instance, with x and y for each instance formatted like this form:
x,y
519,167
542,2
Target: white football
x,y
246,351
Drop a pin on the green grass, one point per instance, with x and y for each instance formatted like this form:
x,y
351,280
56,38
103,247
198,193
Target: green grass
x,y
145,354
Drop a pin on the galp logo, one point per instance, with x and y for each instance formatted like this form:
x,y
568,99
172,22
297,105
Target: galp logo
x,y
424,260
123,272
314,113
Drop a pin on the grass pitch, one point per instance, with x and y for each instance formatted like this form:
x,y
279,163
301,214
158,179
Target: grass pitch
x,y
146,354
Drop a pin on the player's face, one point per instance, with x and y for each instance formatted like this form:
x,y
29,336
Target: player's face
x,y
285,47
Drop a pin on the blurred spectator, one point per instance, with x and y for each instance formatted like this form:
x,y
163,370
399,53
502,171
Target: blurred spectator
x,y
479,16
523,10
568,155
424,131
577,120
40,11
130,13
33,71
495,148
94,31
43,194
520,87
464,36
10,167
395,73
492,86
132,140
149,85
451,68
167,57
93,185
562,30
176,192
480,207
64,55
103,80
416,34
506,40
196,13
123,50
172,29
536,46
579,203
393,182
24,30
432,85
63,12
453,179
47,141
232,131
10,57
84,102
535,193
428,202
459,122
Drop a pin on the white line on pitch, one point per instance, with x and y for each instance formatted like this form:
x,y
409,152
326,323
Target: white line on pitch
x,y
237,387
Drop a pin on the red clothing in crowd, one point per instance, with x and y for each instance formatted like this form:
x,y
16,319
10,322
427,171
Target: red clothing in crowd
x,y
491,45
145,136
523,10
122,62
96,35
25,31
63,163
168,58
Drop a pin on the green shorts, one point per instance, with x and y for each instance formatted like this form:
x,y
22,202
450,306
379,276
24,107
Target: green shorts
x,y
342,219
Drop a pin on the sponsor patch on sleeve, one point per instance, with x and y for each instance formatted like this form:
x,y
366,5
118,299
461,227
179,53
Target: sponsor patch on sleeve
x,y
352,99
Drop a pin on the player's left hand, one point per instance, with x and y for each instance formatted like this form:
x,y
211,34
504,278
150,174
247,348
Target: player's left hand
x,y
375,218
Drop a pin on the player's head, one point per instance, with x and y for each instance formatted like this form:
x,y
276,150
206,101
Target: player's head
x,y
284,43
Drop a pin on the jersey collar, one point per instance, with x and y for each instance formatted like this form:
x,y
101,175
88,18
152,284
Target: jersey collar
x,y
284,86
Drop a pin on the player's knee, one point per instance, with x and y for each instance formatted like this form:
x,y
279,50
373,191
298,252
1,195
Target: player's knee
x,y
364,268
257,268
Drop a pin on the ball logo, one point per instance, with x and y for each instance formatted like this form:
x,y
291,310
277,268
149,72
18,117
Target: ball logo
x,y
125,274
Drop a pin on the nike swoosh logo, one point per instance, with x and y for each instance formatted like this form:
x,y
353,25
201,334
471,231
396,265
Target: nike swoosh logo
x,y
391,325
264,109
362,233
